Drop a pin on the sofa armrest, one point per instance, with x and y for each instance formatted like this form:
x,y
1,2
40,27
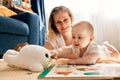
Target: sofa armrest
x,y
33,22
14,26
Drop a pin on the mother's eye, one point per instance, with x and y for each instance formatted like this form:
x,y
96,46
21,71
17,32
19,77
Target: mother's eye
x,y
65,20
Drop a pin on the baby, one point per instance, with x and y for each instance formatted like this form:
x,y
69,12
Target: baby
x,y
83,50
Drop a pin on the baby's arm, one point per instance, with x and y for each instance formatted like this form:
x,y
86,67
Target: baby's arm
x,y
64,52
88,59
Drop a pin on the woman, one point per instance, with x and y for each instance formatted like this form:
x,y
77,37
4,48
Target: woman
x,y
59,26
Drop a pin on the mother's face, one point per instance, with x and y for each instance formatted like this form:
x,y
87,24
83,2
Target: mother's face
x,y
62,21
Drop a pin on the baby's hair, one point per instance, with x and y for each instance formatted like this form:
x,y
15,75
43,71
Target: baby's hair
x,y
89,26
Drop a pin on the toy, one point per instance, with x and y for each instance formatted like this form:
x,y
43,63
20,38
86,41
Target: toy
x,y
32,57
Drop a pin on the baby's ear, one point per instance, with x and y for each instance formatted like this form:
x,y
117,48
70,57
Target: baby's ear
x,y
92,38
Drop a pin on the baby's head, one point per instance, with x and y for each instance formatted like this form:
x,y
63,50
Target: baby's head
x,y
82,34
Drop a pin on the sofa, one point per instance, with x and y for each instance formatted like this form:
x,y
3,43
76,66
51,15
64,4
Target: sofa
x,y
20,28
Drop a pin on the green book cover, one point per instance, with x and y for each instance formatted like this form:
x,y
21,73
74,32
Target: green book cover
x,y
46,71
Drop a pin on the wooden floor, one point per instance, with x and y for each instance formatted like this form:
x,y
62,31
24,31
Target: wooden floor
x,y
7,73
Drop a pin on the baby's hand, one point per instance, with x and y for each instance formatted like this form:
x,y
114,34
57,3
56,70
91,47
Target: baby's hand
x,y
54,54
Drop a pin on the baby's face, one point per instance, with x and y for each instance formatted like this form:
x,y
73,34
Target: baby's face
x,y
81,36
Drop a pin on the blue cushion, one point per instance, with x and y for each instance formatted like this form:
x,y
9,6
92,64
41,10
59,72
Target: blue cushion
x,y
13,26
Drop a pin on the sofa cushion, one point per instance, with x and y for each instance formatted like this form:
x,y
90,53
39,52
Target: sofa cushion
x,y
4,11
13,26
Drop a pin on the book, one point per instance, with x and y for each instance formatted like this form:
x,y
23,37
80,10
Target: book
x,y
80,72
18,5
46,71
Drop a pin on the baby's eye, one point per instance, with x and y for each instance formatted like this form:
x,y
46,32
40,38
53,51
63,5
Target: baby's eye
x,y
73,37
80,37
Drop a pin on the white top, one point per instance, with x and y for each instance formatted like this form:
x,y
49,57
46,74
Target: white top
x,y
92,48
57,42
